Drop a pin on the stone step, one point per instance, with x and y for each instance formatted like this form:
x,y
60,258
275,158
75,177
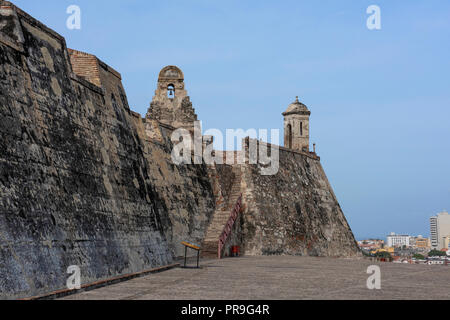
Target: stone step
x,y
222,214
221,217
234,196
216,229
214,233
209,249
208,255
218,226
212,238
219,223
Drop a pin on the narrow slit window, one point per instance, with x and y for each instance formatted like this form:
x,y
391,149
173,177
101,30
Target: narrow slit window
x,y
289,136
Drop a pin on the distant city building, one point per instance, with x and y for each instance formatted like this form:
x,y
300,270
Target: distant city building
x,y
371,244
421,242
447,242
397,240
439,230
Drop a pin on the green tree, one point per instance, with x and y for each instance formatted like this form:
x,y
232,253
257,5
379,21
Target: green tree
x,y
418,256
436,253
383,254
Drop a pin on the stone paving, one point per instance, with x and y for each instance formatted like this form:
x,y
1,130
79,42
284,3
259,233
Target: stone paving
x,y
280,278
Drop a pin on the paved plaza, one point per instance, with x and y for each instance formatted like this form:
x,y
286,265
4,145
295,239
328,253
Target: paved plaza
x,y
280,278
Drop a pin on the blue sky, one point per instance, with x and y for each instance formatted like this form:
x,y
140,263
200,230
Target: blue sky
x,y
380,99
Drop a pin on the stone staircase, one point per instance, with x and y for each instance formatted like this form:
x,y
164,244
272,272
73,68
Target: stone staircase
x,y
220,218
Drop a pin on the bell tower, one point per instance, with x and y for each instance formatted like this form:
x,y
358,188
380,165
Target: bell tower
x,y
296,126
171,104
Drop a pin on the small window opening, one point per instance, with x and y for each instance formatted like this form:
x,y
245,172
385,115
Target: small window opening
x,y
171,91
289,136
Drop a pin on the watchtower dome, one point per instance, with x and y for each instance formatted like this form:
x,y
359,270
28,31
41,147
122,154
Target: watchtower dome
x,y
296,126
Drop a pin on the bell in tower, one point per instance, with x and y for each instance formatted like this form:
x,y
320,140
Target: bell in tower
x,y
170,90
171,104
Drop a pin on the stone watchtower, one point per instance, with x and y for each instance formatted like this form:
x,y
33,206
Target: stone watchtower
x,y
171,104
296,126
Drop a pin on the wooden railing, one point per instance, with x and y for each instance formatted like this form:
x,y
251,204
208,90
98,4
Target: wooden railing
x,y
229,226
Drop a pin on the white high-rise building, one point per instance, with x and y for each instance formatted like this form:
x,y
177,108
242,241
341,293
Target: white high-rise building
x,y
439,229
397,240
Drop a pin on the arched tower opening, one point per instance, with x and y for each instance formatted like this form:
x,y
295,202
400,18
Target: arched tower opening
x,y
170,84
171,91
171,104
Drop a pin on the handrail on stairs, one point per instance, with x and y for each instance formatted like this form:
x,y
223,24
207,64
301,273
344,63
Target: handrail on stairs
x,y
229,226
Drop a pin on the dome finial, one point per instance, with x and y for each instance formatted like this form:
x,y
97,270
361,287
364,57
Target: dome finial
x,y
296,99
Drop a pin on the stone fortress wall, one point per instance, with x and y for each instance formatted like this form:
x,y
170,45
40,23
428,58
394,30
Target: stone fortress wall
x,y
73,179
293,212
86,181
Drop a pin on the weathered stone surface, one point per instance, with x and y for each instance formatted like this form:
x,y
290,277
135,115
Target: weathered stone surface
x,y
185,191
293,212
74,188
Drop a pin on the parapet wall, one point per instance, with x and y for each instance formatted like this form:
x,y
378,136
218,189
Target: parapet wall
x,y
86,66
294,212
75,189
